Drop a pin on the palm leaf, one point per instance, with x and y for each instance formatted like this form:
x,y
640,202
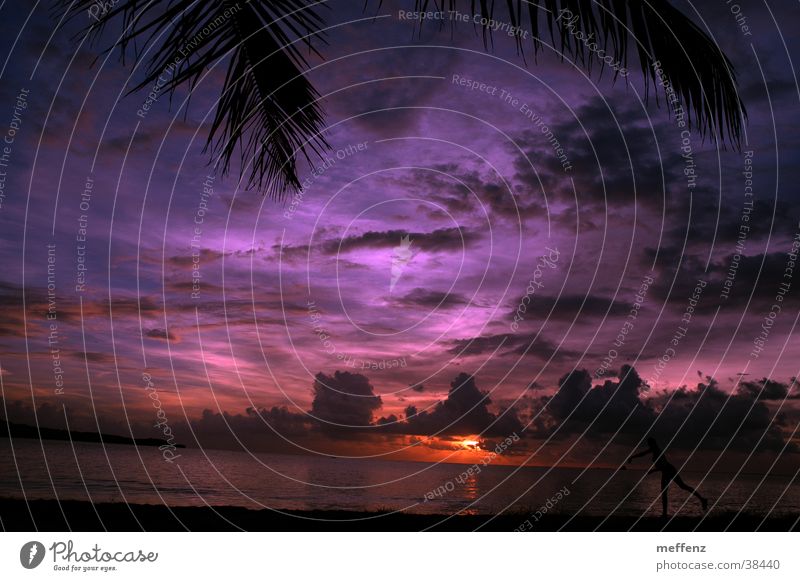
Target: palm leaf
x,y
701,75
269,112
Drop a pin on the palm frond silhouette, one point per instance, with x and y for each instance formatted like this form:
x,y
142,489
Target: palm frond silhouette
x,y
270,114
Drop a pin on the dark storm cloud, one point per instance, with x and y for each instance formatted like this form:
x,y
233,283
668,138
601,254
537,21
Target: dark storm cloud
x,y
393,105
45,415
606,406
709,417
290,254
204,255
34,301
767,269
343,398
465,411
260,429
483,344
468,188
687,243
441,240
568,307
702,418
144,310
93,356
543,349
132,306
10,293
719,219
11,315
346,399
768,389
160,334
431,299
66,417
187,287
69,309
470,191
440,182
262,421
241,309
512,344
615,161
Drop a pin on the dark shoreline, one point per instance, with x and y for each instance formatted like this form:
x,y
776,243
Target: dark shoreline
x,y
49,515
11,430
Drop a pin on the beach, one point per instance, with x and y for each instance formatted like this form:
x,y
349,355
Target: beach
x,y
50,515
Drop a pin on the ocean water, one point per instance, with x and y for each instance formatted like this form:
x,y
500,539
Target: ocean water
x,y
118,473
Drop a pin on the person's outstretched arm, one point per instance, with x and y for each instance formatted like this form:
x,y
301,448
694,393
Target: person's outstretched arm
x,y
638,455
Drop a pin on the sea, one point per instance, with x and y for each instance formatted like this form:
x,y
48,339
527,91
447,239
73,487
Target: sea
x,y
118,473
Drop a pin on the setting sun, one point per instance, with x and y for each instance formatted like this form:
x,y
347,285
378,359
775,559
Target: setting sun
x,y
471,444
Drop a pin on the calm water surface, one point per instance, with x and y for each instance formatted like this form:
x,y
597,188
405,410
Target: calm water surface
x,y
86,471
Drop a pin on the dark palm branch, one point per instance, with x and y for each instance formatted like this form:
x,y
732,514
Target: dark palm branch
x,y
701,75
269,112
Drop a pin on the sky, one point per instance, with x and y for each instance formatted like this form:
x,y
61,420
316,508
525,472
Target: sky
x,y
447,276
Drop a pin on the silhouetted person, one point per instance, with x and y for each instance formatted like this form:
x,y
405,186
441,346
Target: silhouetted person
x,y
668,474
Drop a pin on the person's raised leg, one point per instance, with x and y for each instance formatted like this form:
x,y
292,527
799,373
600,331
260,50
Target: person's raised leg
x,y
686,487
